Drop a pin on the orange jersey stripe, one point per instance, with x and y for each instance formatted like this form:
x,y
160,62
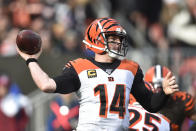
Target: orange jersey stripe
x,y
189,102
81,64
129,65
180,94
175,127
190,107
167,119
131,99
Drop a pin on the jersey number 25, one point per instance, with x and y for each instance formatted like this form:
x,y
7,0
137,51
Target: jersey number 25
x,y
148,120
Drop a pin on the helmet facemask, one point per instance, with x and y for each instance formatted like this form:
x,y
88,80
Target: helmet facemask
x,y
155,76
157,84
121,50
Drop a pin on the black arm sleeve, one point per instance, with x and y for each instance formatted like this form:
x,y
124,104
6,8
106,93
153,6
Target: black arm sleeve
x,y
152,102
68,81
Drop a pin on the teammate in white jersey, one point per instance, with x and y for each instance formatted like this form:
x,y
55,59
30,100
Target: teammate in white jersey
x,y
102,83
142,120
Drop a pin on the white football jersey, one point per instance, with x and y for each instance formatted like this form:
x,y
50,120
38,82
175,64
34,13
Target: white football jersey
x,y
104,97
142,120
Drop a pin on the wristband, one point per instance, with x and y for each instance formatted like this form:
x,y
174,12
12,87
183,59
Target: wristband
x,y
30,60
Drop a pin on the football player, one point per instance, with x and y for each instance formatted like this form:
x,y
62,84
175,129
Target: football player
x,y
102,83
179,105
142,120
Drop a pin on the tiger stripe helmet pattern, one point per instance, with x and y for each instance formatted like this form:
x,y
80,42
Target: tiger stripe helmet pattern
x,y
155,76
96,36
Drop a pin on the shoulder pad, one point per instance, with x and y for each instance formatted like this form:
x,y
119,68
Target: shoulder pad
x,y
129,65
81,64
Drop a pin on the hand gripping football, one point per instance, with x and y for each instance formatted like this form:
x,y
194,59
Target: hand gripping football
x,y
28,42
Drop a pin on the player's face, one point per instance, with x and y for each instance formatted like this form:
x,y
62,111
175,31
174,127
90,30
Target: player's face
x,y
114,43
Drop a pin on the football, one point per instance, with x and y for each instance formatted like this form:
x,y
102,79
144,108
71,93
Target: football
x,y
28,42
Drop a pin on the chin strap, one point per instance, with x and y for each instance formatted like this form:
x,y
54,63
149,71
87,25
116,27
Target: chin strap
x,y
96,47
113,55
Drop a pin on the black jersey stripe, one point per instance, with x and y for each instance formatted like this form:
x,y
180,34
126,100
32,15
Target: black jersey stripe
x,y
191,106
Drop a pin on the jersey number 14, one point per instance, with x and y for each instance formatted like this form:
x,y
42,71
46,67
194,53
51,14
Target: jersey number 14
x,y
118,102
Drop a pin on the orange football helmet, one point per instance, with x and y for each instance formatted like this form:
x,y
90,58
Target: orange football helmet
x,y
98,31
155,76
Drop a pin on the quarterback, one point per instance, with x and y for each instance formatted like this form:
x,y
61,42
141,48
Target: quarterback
x,y
102,83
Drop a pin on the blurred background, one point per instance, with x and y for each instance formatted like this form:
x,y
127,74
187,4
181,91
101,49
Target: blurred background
x,y
159,32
